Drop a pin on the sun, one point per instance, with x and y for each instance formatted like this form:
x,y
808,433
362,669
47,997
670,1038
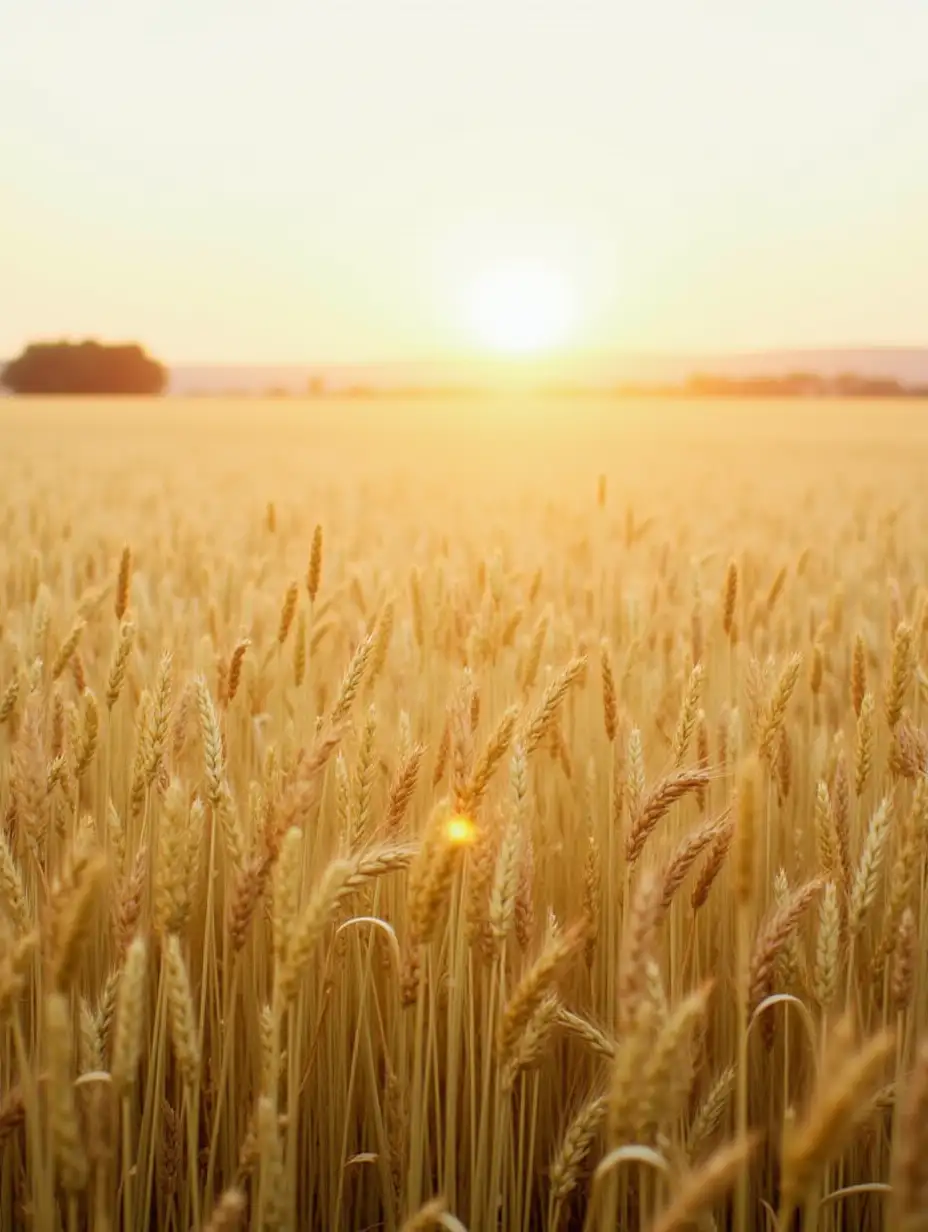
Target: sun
x,y
521,309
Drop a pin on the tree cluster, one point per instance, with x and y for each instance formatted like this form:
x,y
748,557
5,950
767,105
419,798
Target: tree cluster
x,y
84,368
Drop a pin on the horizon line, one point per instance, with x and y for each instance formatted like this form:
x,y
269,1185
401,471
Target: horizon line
x,y
529,360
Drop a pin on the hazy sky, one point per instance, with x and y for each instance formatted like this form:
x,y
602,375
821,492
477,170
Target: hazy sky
x,y
325,179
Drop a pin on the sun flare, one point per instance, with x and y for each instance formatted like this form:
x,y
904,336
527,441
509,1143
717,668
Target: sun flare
x,y
521,309
460,831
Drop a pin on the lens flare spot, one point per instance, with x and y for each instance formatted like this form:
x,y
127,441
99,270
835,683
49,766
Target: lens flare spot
x,y
461,831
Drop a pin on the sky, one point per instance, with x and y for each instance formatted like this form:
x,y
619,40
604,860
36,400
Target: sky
x,y
309,181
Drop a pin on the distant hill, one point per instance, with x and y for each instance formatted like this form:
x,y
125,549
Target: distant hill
x,y
908,365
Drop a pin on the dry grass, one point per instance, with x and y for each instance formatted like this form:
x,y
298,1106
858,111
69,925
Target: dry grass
x,y
550,855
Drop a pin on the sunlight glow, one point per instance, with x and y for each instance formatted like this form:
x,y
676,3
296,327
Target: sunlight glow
x,y
461,831
520,309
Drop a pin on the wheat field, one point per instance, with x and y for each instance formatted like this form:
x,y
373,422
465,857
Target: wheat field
x,y
469,815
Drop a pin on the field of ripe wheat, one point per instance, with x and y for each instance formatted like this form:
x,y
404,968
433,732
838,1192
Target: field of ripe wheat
x,y
467,815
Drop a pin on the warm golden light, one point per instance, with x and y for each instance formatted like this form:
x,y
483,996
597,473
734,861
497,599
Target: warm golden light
x,y
461,831
521,309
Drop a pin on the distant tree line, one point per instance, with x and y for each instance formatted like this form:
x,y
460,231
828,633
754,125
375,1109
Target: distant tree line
x,y
802,385
793,385
84,368
94,368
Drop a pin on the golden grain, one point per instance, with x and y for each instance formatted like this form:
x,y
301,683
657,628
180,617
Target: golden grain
x,y
400,899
